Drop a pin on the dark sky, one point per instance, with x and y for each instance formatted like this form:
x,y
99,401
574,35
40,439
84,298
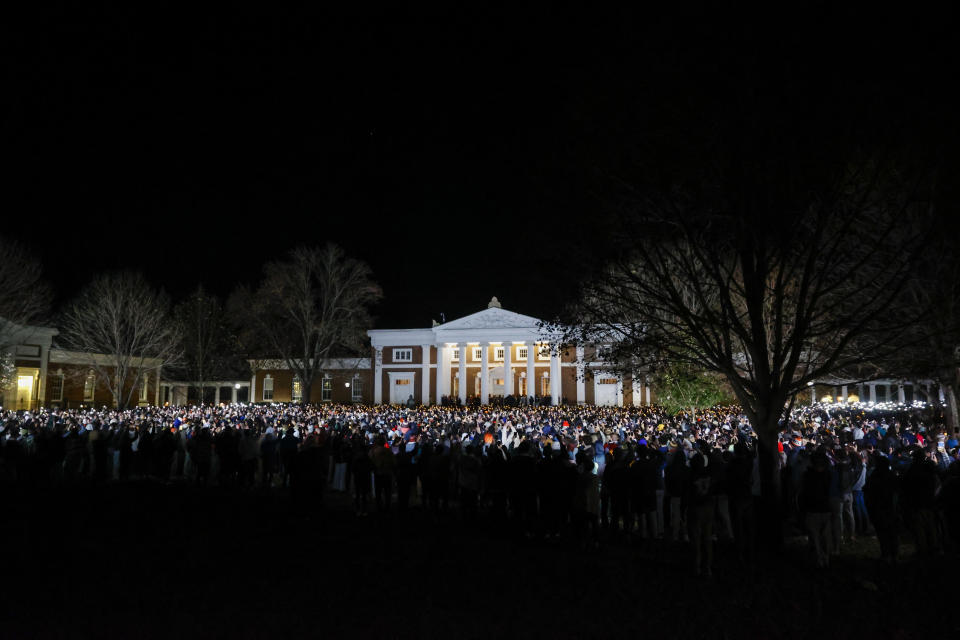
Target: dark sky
x,y
457,154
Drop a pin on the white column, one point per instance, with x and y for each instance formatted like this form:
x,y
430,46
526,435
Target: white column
x,y
813,394
442,372
555,376
901,397
873,391
233,393
619,390
843,392
943,398
581,383
531,369
462,373
484,373
637,401
647,381
425,368
42,382
378,376
253,389
216,394
507,368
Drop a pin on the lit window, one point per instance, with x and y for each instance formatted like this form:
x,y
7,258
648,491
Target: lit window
x,y
268,387
326,389
521,353
477,353
297,393
403,355
544,386
89,387
356,389
455,355
56,387
543,351
498,354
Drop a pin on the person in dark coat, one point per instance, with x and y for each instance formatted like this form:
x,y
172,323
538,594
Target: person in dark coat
x,y
643,489
948,502
268,456
521,488
361,467
815,504
701,504
617,478
125,439
675,480
920,487
881,494
740,498
406,474
201,452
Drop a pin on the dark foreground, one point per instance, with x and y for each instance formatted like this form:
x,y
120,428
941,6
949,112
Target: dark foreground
x,y
147,561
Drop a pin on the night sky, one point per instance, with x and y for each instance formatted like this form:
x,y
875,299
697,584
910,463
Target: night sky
x,y
461,156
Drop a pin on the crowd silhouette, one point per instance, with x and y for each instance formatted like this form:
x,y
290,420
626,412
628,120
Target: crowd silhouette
x,y
635,473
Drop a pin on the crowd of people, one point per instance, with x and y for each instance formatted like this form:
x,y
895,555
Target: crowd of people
x,y
844,471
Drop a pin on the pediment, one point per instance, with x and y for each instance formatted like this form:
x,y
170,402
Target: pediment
x,y
492,318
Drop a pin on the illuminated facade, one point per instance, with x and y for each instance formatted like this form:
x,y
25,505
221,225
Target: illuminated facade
x,y
491,354
46,376
485,356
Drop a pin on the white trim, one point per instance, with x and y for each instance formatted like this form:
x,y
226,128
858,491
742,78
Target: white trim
x,y
331,363
404,355
62,356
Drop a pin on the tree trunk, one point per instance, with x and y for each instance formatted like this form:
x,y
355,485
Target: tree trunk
x,y
306,386
770,508
950,394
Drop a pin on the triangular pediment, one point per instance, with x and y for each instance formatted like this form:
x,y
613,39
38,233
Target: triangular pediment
x,y
492,318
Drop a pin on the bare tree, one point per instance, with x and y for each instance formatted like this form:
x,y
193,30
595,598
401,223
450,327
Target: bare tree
x,y
207,340
933,352
24,299
122,329
770,285
309,307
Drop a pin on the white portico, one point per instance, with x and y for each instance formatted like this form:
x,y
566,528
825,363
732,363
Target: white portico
x,y
490,353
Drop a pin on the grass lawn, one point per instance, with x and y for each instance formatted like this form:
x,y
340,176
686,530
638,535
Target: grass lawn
x,y
152,561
